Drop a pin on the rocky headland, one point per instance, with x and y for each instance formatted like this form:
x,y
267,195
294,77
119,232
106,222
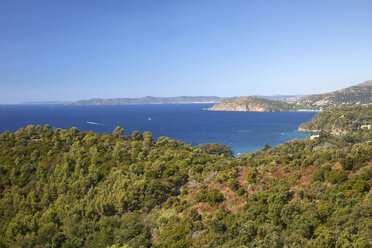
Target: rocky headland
x,y
248,103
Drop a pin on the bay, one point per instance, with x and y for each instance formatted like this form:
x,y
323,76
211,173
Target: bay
x,y
242,131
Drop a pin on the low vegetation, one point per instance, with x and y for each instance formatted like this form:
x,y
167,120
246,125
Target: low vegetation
x,y
65,188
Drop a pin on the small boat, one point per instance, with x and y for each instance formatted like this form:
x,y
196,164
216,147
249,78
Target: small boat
x,y
149,118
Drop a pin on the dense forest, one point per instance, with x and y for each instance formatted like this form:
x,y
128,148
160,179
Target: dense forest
x,y
66,188
340,120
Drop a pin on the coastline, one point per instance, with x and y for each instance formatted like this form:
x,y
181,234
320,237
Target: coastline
x,y
301,110
338,132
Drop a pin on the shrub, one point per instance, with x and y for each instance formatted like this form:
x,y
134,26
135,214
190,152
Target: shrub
x,y
336,176
319,174
241,191
194,215
212,196
348,163
233,184
251,177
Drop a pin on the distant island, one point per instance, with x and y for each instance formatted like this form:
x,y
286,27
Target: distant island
x,y
360,94
150,100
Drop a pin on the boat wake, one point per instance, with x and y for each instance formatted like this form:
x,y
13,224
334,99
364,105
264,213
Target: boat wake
x,y
95,123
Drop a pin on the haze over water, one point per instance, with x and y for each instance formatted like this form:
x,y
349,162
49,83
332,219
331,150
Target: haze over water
x,y
242,131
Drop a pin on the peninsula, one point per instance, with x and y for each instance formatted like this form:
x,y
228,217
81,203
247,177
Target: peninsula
x,y
340,120
249,103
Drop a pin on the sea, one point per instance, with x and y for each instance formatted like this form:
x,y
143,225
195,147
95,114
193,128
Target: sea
x,y
242,131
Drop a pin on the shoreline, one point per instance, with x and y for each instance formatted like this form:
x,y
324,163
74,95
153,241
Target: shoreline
x,y
262,111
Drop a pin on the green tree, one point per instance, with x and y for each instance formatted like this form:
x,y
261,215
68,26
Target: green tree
x,y
118,131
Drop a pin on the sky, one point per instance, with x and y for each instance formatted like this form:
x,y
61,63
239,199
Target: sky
x,y
71,50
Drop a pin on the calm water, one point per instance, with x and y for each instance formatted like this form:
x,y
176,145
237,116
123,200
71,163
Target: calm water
x,y
242,131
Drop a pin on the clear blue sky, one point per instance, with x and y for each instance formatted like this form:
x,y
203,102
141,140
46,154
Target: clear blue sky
x,y
71,50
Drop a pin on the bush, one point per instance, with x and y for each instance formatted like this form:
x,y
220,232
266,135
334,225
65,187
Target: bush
x,y
216,149
336,176
251,177
241,191
348,163
233,184
319,174
360,186
194,215
212,196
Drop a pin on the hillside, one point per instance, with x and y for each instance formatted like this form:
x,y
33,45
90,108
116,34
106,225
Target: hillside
x,y
246,103
149,100
360,94
354,95
65,188
340,120
284,98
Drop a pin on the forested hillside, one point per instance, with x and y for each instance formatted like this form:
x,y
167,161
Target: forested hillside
x,y
340,120
65,188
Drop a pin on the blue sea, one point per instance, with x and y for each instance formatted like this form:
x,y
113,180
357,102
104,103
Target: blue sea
x,y
242,131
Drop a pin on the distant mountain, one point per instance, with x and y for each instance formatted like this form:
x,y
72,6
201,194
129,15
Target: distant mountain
x,y
355,95
150,100
249,103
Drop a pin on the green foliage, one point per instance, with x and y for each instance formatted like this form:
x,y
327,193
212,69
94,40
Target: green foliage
x,y
119,246
266,146
336,176
65,188
217,149
348,163
340,119
118,131
212,196
252,176
194,215
233,184
319,175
